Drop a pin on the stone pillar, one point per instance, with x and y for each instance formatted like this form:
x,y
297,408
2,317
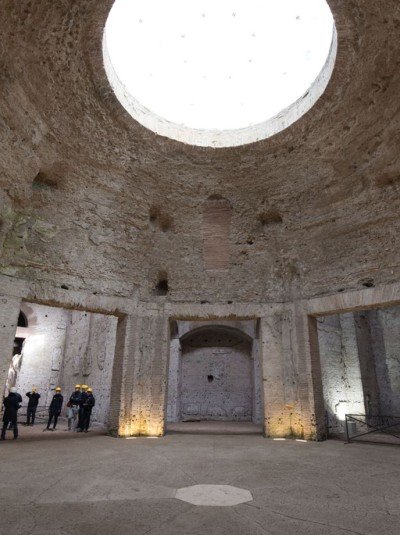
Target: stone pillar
x,y
258,384
174,377
138,389
9,312
311,421
293,399
285,394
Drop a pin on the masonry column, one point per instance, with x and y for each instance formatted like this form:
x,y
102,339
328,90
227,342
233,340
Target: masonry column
x,y
173,407
9,312
283,407
293,399
138,388
310,396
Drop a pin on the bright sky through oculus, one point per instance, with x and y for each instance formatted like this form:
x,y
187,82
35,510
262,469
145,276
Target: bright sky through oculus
x,y
218,64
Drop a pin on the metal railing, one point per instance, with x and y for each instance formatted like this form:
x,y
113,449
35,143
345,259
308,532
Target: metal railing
x,y
361,425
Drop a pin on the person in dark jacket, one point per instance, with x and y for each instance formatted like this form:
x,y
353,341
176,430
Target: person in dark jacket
x,y
11,405
73,407
87,407
32,406
81,403
55,409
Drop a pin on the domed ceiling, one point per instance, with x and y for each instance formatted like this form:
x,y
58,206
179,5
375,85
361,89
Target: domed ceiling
x,y
93,200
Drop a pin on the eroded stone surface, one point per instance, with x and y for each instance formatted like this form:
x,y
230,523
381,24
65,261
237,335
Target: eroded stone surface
x,y
332,175
214,495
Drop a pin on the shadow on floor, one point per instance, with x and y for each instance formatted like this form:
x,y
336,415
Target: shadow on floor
x,y
36,432
215,428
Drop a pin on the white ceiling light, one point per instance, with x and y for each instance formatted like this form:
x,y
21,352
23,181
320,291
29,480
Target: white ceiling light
x,y
211,68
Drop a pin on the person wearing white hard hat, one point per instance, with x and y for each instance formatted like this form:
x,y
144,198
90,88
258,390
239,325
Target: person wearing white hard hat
x,y
11,405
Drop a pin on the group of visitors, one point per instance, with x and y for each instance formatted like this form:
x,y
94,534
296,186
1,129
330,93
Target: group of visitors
x,y
79,409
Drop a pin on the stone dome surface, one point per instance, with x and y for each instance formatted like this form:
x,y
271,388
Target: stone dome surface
x,y
92,200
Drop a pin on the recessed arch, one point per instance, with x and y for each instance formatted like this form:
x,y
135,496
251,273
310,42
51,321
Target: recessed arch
x,y
234,332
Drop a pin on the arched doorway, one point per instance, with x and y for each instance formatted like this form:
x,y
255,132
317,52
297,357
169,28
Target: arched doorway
x,y
214,375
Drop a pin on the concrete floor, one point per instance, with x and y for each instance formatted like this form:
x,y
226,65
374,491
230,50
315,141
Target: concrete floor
x,y
101,485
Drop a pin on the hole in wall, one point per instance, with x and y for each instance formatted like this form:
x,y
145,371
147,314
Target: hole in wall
x,y
210,378
271,217
158,217
162,287
368,283
388,179
43,182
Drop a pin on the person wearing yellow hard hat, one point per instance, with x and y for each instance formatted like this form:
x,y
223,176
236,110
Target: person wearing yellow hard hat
x,y
87,407
73,407
33,402
55,409
81,404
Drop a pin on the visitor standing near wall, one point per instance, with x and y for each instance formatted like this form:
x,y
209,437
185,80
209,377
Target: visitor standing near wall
x,y
11,405
55,409
73,407
32,406
87,406
81,403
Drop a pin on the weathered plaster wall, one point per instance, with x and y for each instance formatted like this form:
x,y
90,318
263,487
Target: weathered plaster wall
x,y
230,367
89,355
64,347
360,364
43,351
341,375
388,362
202,348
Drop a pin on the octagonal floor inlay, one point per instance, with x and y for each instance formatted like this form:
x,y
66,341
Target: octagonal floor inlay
x,y
214,495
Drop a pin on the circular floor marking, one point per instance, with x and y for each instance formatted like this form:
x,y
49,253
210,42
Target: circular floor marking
x,y
214,495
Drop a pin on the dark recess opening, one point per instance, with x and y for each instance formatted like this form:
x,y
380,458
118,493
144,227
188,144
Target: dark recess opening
x,y
210,378
43,181
22,320
272,217
18,343
369,283
162,287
